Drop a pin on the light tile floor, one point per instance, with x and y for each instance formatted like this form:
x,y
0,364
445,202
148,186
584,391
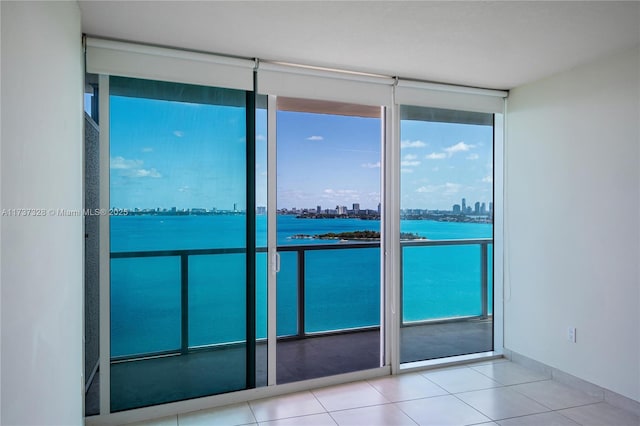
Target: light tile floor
x,y
490,393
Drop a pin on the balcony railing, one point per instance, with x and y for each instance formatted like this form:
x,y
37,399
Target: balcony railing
x,y
484,275
301,284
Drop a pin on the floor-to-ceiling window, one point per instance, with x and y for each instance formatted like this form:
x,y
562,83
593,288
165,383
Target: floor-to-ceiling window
x,y
255,240
178,310
328,238
446,224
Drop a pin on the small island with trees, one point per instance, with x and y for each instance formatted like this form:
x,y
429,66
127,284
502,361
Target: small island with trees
x,y
354,236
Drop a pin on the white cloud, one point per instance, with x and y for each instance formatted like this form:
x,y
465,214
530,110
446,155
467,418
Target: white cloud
x,y
452,188
178,133
371,165
409,163
447,188
428,188
410,157
488,179
132,168
340,195
123,163
261,138
406,170
412,144
473,157
315,138
436,156
459,147
153,173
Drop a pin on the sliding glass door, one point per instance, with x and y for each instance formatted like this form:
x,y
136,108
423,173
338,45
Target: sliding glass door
x,y
328,238
178,236
446,239
335,225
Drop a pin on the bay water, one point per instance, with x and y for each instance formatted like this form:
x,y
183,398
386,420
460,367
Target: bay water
x,y
342,286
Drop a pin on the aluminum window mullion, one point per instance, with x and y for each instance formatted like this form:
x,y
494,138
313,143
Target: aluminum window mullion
x,y
271,241
251,238
392,238
498,233
105,250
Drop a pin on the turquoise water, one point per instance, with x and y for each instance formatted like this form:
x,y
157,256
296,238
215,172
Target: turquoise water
x,y
342,286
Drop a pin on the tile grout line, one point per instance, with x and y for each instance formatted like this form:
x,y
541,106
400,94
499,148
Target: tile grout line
x,y
436,384
407,414
333,419
567,417
319,402
472,407
550,408
503,384
252,413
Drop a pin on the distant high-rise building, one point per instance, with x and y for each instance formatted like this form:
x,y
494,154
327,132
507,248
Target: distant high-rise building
x,y
318,209
456,209
379,207
464,206
235,207
476,209
261,210
491,208
483,209
356,208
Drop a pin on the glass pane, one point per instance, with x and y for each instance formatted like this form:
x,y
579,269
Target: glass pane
x,y
91,248
447,230
217,312
352,300
261,241
441,283
287,311
328,162
178,237
145,305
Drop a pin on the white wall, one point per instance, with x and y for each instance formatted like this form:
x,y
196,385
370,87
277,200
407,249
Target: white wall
x,y
41,257
572,222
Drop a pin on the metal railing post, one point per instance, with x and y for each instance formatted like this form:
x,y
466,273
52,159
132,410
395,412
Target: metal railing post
x,y
184,303
484,281
401,285
301,295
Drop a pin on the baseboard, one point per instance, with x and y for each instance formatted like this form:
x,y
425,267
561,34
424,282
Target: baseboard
x,y
582,385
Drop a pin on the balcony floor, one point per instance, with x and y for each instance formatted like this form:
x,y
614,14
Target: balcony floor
x,y
158,380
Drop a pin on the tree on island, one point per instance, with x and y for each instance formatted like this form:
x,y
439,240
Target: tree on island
x,y
355,235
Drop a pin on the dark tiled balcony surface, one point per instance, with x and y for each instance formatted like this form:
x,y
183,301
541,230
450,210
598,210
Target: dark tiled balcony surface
x,y
153,381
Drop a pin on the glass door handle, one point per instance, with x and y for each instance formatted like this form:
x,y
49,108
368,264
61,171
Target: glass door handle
x,y
275,262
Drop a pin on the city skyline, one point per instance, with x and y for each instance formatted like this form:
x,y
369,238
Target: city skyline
x,y
462,208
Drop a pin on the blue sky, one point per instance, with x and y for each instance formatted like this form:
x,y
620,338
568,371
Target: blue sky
x,y
445,162
169,154
328,160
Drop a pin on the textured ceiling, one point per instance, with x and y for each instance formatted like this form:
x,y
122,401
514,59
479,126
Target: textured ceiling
x,y
497,45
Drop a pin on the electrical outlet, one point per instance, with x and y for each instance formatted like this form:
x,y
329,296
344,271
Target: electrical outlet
x,y
571,334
